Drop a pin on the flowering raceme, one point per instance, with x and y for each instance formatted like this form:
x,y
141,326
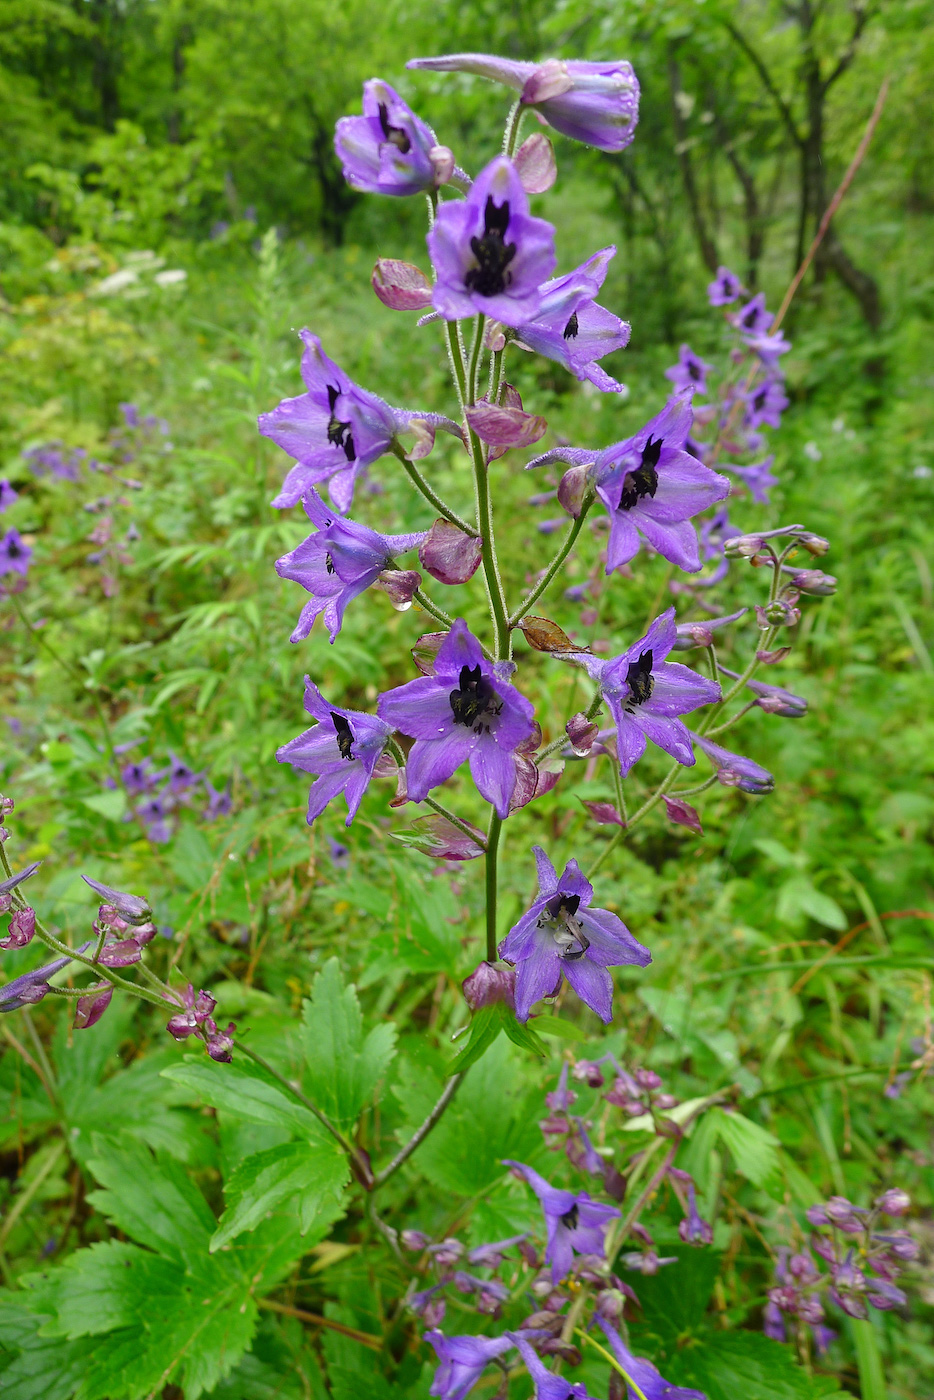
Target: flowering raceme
x,y
389,150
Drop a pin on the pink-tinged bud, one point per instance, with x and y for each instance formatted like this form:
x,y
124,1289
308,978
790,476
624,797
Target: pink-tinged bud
x,y
772,658
489,984
447,1252
424,434
894,1201
550,79
442,163
109,916
572,490
814,544
427,647
6,903
664,1102
692,634
400,285
536,164
6,805
683,814
399,585
440,839
144,933
588,1072
501,426
603,813
414,1240
90,1008
647,1079
815,582
121,954
449,555
183,1025
434,1312
21,929
219,1043
33,993
130,907
582,733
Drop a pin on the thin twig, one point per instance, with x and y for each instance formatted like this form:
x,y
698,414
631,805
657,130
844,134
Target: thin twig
x,y
420,1134
364,1338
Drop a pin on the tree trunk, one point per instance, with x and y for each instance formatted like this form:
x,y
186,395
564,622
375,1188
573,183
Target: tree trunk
x,y
708,248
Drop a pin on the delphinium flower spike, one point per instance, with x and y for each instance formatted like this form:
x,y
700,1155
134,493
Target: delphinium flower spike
x,y
571,328
462,1361
389,150
561,935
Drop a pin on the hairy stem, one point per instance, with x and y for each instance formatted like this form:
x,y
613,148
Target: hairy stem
x,y
420,1134
567,545
513,123
420,484
492,855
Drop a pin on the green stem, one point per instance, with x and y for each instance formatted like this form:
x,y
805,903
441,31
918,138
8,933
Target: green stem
x,y
568,544
618,785
492,853
420,1134
634,1388
473,376
871,1375
420,484
513,123
637,816
455,355
425,603
728,723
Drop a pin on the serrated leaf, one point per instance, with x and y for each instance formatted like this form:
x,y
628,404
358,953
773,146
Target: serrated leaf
x,y
485,1026
676,1298
522,1035
244,1094
730,1365
343,1067
312,1175
170,1215
753,1148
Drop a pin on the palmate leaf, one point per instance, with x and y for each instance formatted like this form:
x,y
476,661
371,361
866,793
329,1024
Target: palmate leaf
x,y
314,1175
342,1067
730,1365
162,1308
753,1148
244,1090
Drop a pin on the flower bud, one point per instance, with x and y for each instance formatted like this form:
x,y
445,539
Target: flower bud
x,y
589,1073
488,984
400,285
814,544
536,164
442,163
128,906
894,1201
743,546
815,582
21,929
778,613
582,732
572,489
90,1008
449,555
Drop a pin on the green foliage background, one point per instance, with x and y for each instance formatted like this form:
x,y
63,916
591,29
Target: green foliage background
x,y
156,1206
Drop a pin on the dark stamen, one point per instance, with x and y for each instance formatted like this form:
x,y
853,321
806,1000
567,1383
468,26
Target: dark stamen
x,y
640,680
490,277
475,700
339,433
345,736
644,480
572,328
570,1217
329,563
393,134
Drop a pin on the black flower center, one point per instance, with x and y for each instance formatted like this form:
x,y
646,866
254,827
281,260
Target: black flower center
x,y
329,563
339,433
493,254
758,400
559,919
750,318
345,735
640,680
474,703
571,1217
694,371
393,134
13,549
644,480
572,328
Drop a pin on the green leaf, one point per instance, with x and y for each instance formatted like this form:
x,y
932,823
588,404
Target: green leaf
x,y
111,805
170,1215
754,1149
561,1030
798,897
485,1026
520,1034
739,1366
343,1068
41,1368
315,1175
675,1299
245,1094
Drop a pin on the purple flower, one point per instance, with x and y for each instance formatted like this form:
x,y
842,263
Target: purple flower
x,y
548,1386
773,698
758,478
766,404
196,1011
334,430
573,1223
219,1044
725,287
596,103
643,1374
561,934
337,563
154,814
884,1295
561,1098
15,554
7,886
21,928
571,328
490,1256
694,1230
138,778
773,1323
388,149
768,347
651,486
131,907
894,1201
7,495
219,803
341,751
690,372
753,319
489,253
466,710
180,776
735,771
463,1361
646,694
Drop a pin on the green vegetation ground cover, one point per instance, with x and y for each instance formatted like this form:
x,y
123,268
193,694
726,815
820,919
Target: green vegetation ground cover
x,y
190,655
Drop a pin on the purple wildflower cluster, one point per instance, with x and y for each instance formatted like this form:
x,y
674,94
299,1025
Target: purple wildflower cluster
x,y
863,1263
159,795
